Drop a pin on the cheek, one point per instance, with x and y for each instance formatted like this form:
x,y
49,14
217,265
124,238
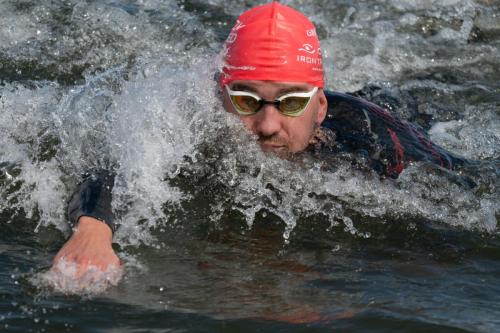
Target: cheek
x,y
300,131
298,135
248,122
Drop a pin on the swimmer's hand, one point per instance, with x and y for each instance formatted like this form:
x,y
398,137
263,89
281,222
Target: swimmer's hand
x,y
87,260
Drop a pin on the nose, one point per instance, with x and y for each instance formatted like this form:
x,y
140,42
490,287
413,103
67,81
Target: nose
x,y
267,122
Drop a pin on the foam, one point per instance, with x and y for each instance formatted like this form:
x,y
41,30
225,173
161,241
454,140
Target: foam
x,y
408,5
154,125
69,40
294,191
18,29
150,136
61,278
369,47
477,136
148,106
24,123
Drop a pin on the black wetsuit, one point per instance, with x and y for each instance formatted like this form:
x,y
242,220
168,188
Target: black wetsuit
x,y
356,126
388,142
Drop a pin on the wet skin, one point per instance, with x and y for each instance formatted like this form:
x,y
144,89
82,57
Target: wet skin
x,y
90,250
90,245
277,132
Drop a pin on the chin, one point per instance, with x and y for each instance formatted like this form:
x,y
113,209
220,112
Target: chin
x,y
282,152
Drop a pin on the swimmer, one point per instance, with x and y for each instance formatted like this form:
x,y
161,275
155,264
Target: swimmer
x,y
272,78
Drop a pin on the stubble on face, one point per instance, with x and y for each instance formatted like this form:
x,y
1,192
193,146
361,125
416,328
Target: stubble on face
x,y
292,139
282,145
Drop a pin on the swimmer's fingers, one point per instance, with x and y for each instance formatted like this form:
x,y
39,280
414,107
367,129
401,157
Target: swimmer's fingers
x,y
71,278
90,245
87,262
78,268
78,264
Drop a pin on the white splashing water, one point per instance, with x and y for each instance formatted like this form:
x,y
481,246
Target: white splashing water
x,y
24,124
421,192
155,120
147,118
477,136
62,279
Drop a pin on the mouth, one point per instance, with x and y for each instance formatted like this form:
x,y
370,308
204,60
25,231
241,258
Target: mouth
x,y
274,147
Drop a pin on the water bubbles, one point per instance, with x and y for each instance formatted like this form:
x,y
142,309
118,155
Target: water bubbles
x,y
128,86
65,278
408,19
145,104
476,136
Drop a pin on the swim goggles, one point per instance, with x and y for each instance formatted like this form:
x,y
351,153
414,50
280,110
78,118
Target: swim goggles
x,y
293,104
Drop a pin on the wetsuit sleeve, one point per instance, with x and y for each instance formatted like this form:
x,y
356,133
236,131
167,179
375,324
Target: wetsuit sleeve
x,y
93,198
390,142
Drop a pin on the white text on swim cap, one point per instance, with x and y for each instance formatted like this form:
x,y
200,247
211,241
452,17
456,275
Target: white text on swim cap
x,y
309,60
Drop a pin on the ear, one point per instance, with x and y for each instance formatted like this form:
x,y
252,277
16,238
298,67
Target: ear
x,y
322,107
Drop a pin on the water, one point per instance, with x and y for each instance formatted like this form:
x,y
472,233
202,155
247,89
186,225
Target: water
x,y
218,236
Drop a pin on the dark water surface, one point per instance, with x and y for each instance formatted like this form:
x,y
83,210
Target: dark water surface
x,y
218,236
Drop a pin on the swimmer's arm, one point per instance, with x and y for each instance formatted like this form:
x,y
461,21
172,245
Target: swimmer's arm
x,y
92,218
93,199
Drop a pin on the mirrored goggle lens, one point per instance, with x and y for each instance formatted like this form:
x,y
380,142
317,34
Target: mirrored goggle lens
x,y
246,104
293,106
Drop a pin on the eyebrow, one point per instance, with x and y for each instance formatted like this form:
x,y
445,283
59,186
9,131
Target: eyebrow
x,y
281,92
243,87
285,91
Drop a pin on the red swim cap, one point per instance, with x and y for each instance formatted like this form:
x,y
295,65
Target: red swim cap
x,y
273,42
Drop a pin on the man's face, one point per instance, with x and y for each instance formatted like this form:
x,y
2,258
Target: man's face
x,y
277,132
